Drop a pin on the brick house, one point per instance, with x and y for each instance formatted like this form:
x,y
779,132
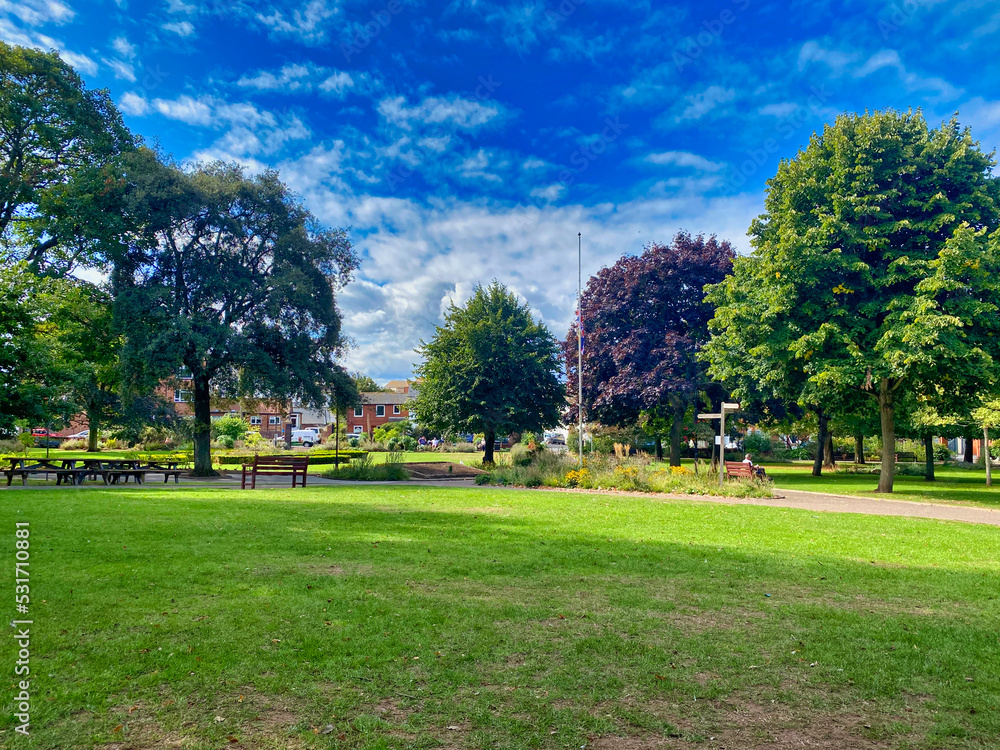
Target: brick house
x,y
377,409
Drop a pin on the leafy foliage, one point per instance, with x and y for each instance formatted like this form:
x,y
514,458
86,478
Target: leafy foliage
x,y
645,319
866,277
490,368
238,285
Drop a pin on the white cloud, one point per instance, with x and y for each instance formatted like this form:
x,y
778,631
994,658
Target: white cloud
x,y
703,103
684,159
122,46
781,109
181,28
38,12
298,78
837,60
78,61
306,23
121,69
132,103
453,110
889,58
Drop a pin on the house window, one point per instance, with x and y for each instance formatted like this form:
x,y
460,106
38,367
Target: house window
x,y
294,419
181,396
255,421
184,372
359,411
357,429
274,420
395,409
380,410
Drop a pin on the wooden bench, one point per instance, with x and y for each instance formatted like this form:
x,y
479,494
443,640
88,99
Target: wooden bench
x,y
906,457
112,472
738,470
283,466
64,470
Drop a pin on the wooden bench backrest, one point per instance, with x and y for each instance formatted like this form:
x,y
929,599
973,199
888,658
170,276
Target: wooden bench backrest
x,y
738,469
281,462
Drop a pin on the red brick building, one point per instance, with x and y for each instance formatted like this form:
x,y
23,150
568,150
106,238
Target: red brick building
x,y
377,409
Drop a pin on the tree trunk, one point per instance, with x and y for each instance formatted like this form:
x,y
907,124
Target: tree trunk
x,y
987,457
859,448
659,448
820,443
968,457
676,433
887,416
828,462
203,428
929,458
94,425
489,437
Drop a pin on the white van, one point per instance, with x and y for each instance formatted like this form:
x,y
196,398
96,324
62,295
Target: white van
x,y
305,438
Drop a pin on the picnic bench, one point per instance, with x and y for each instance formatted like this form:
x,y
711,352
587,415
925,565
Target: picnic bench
x,y
64,470
112,472
287,466
738,470
906,457
167,468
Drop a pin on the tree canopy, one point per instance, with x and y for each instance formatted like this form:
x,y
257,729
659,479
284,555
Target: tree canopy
x,y
57,139
237,282
645,319
491,368
863,278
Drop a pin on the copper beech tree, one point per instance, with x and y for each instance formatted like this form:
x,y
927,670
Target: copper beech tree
x,y
644,321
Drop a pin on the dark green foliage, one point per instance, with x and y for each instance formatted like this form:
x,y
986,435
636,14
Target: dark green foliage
x,y
491,369
236,281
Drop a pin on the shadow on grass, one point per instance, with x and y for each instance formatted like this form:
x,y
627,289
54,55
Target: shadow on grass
x,y
503,613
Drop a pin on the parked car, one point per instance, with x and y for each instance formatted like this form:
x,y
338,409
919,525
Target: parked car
x,y
305,438
80,435
554,438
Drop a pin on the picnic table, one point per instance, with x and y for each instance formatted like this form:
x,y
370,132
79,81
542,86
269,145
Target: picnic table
x,y
64,470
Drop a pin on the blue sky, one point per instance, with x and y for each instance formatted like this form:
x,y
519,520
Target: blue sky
x,y
470,140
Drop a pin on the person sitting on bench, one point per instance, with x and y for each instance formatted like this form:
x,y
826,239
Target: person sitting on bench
x,y
758,471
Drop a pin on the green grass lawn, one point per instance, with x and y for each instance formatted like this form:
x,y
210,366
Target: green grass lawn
x,y
953,486
406,617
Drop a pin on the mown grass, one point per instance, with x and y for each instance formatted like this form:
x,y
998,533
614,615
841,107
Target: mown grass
x,y
403,617
951,485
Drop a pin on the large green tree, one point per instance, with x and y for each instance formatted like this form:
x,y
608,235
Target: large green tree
x,y
233,279
58,142
491,368
852,269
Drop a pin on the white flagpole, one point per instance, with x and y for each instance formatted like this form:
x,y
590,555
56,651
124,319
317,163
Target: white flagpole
x,y
579,338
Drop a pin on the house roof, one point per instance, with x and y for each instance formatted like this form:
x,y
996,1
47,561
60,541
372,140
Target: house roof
x,y
385,398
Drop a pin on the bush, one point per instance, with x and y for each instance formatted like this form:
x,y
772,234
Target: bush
x,y
10,446
758,444
26,440
73,445
942,453
521,454
365,470
230,426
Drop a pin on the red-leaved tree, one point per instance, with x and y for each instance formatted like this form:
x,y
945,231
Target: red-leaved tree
x,y
644,320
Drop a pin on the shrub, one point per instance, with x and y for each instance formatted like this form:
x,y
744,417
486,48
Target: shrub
x,y
230,426
520,454
10,446
942,453
365,470
73,445
26,441
757,443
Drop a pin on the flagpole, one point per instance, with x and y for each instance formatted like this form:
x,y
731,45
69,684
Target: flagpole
x,y
579,339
